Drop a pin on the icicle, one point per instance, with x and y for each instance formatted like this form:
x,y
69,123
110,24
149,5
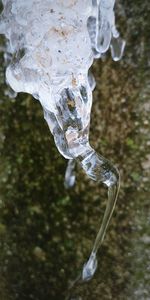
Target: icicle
x,y
52,45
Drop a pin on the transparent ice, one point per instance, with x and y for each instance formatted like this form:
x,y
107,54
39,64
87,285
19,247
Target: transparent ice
x,y
51,45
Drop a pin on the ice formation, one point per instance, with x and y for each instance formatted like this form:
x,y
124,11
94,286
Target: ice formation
x,y
52,45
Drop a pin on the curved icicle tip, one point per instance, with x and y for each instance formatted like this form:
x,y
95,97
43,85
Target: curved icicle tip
x,y
100,169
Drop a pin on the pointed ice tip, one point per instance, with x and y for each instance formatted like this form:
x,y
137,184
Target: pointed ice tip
x,y
89,268
117,47
70,182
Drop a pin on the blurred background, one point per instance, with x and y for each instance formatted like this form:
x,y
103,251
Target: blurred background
x,y
46,231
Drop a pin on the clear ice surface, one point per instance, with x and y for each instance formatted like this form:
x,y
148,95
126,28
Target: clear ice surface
x,y
51,44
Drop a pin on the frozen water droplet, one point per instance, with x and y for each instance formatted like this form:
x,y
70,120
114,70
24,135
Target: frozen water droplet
x,y
70,174
117,48
89,268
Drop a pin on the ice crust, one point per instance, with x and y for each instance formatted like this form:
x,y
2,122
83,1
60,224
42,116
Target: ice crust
x,y
50,43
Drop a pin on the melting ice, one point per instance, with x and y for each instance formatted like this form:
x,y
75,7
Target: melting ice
x,y
51,45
